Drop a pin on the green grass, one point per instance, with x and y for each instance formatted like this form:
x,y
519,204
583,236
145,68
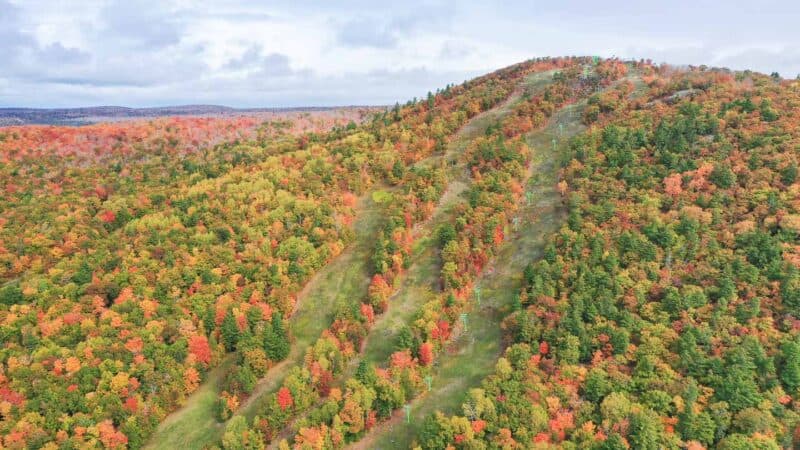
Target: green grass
x,y
193,419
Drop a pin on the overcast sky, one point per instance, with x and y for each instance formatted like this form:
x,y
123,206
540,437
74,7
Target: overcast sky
x,y
61,53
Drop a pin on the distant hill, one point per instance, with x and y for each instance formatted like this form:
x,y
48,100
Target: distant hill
x,y
94,114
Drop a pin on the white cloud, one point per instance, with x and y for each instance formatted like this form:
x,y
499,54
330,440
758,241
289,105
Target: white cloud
x,y
289,53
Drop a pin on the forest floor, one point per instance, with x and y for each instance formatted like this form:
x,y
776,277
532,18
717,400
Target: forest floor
x,y
471,356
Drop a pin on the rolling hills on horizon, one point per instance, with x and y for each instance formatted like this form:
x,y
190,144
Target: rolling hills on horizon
x,y
10,116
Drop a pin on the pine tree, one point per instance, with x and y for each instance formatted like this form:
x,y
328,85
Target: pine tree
x,y
613,442
790,373
405,339
366,373
11,294
790,293
276,342
210,319
83,275
516,302
398,169
645,431
230,332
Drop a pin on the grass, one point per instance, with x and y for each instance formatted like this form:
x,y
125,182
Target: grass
x,y
193,419
471,356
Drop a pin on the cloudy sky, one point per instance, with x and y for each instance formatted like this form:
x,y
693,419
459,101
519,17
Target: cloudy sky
x,y
65,53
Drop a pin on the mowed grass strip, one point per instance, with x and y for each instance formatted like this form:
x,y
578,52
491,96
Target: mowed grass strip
x,y
194,426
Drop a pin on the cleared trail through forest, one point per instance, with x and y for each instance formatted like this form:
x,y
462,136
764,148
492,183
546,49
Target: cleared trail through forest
x,y
194,426
423,274
471,356
347,276
422,278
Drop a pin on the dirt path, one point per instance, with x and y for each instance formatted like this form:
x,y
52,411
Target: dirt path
x,y
471,356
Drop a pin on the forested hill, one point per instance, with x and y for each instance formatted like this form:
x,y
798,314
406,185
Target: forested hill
x,y
664,313
565,253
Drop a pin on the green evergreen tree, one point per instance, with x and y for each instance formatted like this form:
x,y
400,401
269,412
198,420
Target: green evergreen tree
x,y
722,176
276,341
646,431
790,293
11,294
738,386
613,442
516,302
445,233
83,275
398,169
692,426
790,365
789,174
366,373
210,319
230,332
245,378
405,339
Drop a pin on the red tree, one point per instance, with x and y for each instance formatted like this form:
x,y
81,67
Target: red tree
x,y
108,216
672,185
498,235
198,346
426,354
544,347
368,313
285,399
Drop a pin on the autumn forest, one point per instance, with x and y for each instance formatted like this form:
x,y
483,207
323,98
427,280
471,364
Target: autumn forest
x,y
573,252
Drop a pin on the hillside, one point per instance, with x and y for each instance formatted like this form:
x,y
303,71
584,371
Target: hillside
x,y
565,253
